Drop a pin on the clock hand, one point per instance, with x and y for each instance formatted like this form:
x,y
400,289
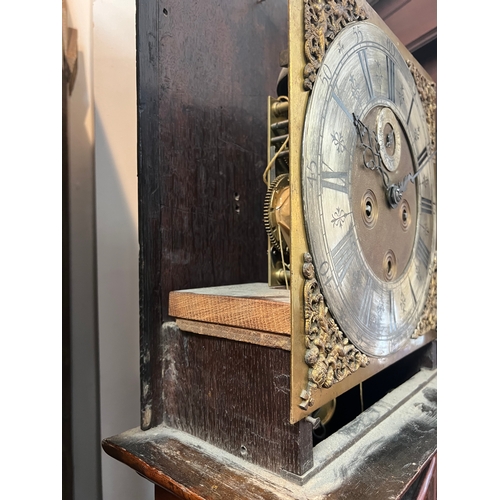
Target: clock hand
x,y
372,146
394,192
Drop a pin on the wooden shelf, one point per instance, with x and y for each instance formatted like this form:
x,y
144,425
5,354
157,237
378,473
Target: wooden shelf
x,y
251,312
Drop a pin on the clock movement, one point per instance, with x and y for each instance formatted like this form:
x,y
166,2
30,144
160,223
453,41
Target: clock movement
x,y
301,375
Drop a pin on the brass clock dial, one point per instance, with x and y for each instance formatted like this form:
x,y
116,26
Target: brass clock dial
x,y
369,190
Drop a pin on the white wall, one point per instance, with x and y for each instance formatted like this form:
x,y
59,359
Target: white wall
x,y
85,419
102,123
117,235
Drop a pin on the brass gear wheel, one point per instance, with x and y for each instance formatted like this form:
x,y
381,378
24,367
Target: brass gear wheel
x,y
272,197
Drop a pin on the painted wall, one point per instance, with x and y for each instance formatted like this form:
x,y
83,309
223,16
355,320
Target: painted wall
x,y
85,418
104,246
117,236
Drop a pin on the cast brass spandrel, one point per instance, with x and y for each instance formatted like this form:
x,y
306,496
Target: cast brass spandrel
x,y
428,96
323,20
329,354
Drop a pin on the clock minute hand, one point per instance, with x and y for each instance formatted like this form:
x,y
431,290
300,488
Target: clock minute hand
x,y
394,192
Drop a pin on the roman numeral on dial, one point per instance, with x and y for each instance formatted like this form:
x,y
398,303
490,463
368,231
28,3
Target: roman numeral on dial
x,y
344,253
392,313
427,206
412,292
423,253
334,180
423,157
391,80
366,303
341,104
366,71
409,112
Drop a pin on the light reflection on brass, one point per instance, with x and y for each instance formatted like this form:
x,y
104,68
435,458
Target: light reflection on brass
x,y
277,211
280,109
325,412
282,213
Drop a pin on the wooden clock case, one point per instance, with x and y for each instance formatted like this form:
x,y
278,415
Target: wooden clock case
x,y
215,407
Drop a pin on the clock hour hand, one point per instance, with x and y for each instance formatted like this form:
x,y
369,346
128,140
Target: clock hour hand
x,y
371,148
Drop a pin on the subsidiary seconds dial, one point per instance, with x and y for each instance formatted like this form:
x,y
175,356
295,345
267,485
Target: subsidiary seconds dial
x,y
369,192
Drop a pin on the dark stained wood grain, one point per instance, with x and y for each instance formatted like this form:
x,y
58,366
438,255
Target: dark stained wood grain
x,y
163,494
369,462
219,62
236,396
205,70
148,171
189,473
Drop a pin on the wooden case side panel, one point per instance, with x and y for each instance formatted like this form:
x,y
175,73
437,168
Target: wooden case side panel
x,y
235,396
205,71
218,63
148,172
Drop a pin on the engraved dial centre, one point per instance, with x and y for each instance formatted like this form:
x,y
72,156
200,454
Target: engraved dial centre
x,y
382,229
